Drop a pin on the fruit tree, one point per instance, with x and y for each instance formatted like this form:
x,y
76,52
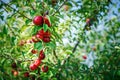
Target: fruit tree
x,y
59,39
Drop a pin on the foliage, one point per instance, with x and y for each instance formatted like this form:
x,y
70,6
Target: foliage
x,y
78,27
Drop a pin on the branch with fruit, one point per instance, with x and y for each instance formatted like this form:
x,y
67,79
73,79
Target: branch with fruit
x,y
41,36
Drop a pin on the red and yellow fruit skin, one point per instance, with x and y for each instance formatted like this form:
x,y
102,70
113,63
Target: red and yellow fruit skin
x,y
33,51
46,39
37,62
46,21
84,57
33,67
40,32
89,22
66,7
41,55
26,74
29,41
34,39
15,73
94,49
47,34
39,37
22,43
44,68
54,2
44,36
38,20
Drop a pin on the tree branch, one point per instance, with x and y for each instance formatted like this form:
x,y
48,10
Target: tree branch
x,y
26,60
59,8
43,7
54,52
13,59
74,49
10,29
31,5
5,9
67,58
7,57
16,10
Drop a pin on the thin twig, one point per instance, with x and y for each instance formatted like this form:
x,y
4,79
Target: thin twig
x,y
7,57
43,7
5,9
13,59
54,52
67,58
29,60
59,8
16,10
31,5
74,49
10,29
56,57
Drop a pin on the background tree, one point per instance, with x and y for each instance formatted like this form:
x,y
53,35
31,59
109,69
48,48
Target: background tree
x,y
59,39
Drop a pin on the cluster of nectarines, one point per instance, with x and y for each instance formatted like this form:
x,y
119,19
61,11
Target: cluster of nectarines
x,y
41,35
38,61
15,70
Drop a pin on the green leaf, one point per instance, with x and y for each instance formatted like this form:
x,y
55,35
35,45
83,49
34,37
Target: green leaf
x,y
5,30
32,73
3,62
36,29
27,21
32,12
68,52
1,78
45,27
2,17
52,19
38,46
54,78
1,68
118,72
51,45
13,40
23,54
